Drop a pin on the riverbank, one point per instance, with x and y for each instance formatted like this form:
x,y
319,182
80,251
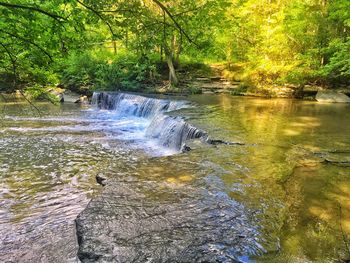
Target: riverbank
x,y
227,79
194,78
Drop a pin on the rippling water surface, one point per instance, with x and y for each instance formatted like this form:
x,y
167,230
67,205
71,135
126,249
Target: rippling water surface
x,y
283,196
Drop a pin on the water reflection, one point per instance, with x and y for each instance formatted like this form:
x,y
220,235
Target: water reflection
x,y
301,198
285,192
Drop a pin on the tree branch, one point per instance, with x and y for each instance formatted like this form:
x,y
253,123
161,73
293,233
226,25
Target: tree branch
x,y
189,11
174,20
33,8
28,41
13,62
30,102
97,13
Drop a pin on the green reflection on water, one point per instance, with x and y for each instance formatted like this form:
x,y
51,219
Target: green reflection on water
x,y
285,177
280,174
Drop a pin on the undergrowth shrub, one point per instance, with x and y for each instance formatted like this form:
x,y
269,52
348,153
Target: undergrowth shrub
x,y
87,72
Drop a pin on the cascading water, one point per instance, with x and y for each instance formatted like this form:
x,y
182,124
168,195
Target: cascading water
x,y
169,132
134,105
172,132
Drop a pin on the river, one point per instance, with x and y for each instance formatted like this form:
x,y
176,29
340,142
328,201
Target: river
x,y
260,180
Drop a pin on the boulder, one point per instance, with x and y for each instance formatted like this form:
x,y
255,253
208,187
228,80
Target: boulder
x,y
58,93
332,96
60,97
82,100
70,96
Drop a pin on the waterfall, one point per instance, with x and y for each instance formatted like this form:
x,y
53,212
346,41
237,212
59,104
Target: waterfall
x,y
172,132
136,105
168,131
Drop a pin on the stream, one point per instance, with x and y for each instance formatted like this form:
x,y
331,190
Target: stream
x,y
202,178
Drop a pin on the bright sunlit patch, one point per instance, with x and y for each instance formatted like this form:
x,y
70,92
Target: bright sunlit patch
x,y
310,124
290,132
179,180
186,178
324,213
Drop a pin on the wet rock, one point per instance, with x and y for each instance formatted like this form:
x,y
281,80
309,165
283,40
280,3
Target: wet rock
x,y
336,162
60,97
101,180
137,222
217,142
70,96
58,93
186,148
55,245
194,144
332,96
82,100
302,156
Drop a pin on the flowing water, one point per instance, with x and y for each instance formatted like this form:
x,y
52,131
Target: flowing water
x,y
206,178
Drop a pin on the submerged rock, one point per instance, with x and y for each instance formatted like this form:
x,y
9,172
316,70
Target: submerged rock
x,y
217,142
332,96
135,221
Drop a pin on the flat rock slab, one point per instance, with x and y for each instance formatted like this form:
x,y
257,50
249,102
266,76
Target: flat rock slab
x,y
332,97
55,245
149,221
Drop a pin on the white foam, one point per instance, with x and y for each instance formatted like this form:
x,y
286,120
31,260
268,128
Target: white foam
x,y
137,120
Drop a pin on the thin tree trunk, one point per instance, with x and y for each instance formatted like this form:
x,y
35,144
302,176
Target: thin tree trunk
x,y
172,73
164,37
127,39
169,55
114,46
178,51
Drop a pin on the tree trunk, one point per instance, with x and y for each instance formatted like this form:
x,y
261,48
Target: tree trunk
x,y
178,52
169,55
127,39
169,59
172,73
114,46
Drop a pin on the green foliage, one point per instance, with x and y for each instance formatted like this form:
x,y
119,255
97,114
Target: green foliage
x,y
37,92
242,88
33,36
87,71
294,42
79,71
114,45
194,90
338,68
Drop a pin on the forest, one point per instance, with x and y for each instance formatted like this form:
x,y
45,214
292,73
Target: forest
x,y
87,45
175,131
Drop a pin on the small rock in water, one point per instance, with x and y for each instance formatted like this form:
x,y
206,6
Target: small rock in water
x,y
332,96
100,180
186,149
